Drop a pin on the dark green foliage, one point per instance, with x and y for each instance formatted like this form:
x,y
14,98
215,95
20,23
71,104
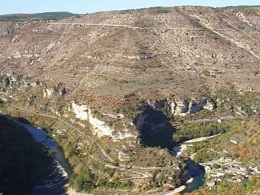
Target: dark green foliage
x,y
232,100
84,180
110,171
199,130
160,10
23,162
115,184
38,16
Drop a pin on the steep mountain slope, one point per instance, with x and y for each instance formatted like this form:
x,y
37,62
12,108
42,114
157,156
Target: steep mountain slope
x,y
119,52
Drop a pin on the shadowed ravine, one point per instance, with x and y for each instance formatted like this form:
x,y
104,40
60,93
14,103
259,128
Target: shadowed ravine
x,y
26,163
23,162
155,129
54,183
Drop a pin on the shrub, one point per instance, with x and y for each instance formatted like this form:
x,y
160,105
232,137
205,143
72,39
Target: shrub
x,y
160,10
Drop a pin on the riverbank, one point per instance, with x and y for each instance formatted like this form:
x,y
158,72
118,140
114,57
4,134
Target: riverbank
x,y
180,149
23,162
197,174
53,184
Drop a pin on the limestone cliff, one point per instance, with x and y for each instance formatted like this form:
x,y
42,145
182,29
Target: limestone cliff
x,y
100,127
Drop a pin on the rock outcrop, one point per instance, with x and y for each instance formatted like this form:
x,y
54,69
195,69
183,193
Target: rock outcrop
x,y
48,92
101,128
180,107
185,106
58,90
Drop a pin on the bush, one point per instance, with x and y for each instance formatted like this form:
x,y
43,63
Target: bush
x,y
216,166
84,180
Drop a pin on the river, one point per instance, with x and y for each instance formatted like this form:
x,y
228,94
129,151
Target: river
x,y
195,170
54,184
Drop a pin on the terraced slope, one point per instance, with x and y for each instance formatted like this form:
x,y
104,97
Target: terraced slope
x,y
158,49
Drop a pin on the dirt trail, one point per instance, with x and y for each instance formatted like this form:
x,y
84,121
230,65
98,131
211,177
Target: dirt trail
x,y
100,150
129,26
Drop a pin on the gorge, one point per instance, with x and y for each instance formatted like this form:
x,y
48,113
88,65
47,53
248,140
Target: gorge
x,y
117,91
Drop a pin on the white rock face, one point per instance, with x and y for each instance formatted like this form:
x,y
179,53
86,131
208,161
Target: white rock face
x,y
17,55
180,107
101,128
48,93
80,111
100,125
210,105
184,107
120,135
33,84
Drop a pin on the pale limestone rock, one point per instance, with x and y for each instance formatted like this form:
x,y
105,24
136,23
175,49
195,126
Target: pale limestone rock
x,y
157,104
184,107
48,93
123,156
101,128
100,125
180,107
17,55
210,105
13,79
80,111
124,135
33,84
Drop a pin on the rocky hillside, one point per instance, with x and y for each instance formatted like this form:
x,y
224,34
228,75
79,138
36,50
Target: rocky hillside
x,y
115,88
151,51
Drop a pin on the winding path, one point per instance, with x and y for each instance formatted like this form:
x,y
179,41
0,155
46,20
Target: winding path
x,y
228,117
100,150
79,24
